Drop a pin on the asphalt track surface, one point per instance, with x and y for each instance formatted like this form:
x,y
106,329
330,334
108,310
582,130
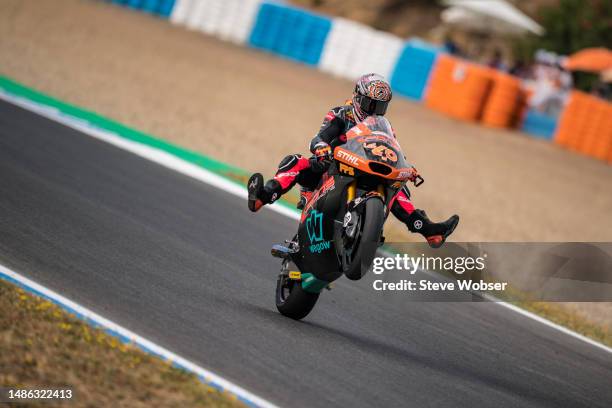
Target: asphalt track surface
x,y
187,266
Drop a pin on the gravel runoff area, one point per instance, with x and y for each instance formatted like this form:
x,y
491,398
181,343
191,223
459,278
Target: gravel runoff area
x,y
249,108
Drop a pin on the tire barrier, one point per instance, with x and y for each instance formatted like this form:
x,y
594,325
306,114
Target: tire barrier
x,y
585,126
413,68
416,70
159,7
230,20
458,88
353,49
290,32
504,102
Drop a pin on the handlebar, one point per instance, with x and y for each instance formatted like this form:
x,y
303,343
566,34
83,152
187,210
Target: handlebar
x,y
418,180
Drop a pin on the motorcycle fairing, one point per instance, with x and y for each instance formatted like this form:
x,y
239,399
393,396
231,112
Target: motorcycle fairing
x,y
371,148
318,229
320,233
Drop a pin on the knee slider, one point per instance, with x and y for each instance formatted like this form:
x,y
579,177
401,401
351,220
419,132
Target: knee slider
x,y
288,162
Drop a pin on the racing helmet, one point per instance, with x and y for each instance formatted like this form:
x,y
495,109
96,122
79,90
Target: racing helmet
x,y
371,96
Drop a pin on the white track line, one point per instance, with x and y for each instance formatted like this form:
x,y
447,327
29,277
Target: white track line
x,y
150,153
549,323
172,162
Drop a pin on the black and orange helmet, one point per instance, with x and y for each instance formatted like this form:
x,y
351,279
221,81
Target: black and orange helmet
x,y
371,96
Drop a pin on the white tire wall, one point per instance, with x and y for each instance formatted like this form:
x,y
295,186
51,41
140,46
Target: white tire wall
x,y
229,20
353,49
196,15
181,11
242,15
210,21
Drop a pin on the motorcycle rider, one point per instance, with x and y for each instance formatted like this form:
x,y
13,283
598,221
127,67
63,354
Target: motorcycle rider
x,y
371,95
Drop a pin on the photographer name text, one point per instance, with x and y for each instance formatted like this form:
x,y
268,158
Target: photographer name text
x,y
454,265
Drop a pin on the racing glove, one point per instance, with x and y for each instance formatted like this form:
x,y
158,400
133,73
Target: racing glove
x,y
322,157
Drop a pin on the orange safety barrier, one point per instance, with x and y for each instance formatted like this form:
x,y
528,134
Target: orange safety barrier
x,y
585,126
472,92
564,132
504,101
602,148
522,106
581,121
458,88
610,156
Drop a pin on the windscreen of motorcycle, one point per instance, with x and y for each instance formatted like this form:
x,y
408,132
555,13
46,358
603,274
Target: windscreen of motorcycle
x,y
373,139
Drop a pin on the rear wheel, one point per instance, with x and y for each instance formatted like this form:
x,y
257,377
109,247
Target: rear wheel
x,y
364,250
293,301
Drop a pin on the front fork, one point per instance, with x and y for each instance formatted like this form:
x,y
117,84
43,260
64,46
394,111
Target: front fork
x,y
352,218
351,192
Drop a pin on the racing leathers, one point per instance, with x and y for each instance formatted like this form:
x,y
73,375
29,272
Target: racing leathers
x,y
307,172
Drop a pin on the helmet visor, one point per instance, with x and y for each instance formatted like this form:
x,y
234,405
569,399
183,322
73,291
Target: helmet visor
x,y
372,106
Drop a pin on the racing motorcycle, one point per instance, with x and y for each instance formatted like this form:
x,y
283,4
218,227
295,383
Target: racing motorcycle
x,y
341,224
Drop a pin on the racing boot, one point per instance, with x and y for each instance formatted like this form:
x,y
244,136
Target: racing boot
x,y
260,193
434,232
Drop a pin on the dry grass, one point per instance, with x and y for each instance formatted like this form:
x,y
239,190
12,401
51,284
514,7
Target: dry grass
x,y
42,346
587,318
573,317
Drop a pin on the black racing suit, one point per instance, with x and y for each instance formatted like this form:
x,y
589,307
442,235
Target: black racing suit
x,y
296,168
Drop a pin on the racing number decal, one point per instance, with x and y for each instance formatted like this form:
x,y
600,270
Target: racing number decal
x,y
382,151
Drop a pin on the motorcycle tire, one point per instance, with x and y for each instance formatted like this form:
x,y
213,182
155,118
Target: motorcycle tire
x,y
298,303
373,220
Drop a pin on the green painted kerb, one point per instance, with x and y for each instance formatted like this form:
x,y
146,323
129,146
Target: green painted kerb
x,y
234,174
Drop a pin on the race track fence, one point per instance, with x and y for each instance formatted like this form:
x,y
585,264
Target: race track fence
x,y
417,70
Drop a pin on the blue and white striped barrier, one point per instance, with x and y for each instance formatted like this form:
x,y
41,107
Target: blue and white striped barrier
x,y
341,47
338,46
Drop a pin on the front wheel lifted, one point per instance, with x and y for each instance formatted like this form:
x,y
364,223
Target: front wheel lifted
x,y
372,221
293,301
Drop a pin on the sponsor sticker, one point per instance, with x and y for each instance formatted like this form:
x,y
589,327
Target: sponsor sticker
x,y
346,169
314,228
343,155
